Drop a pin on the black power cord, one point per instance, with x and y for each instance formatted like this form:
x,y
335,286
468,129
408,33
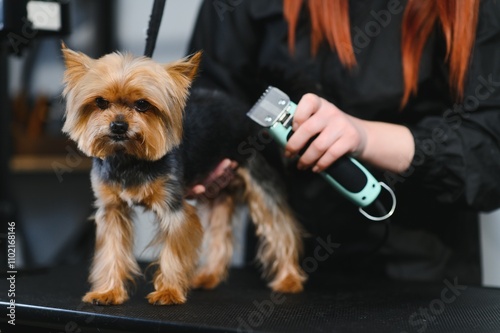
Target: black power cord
x,y
154,27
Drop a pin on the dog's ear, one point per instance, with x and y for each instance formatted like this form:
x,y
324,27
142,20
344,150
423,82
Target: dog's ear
x,y
187,67
77,64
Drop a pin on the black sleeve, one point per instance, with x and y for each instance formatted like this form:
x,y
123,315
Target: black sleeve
x,y
229,39
458,153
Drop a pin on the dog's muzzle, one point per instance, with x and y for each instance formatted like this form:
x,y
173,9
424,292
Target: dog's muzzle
x,y
118,130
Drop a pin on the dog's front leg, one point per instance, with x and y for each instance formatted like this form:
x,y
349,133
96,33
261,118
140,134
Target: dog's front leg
x,y
113,262
180,236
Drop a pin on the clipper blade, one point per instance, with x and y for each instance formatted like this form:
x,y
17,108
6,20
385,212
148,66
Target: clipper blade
x,y
270,107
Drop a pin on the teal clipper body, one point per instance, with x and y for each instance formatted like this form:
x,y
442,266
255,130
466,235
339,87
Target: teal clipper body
x,y
275,111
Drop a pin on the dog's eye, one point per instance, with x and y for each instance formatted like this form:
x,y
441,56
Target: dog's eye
x,y
101,103
142,105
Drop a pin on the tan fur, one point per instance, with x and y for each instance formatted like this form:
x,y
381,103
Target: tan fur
x,y
181,234
280,238
123,79
218,242
113,262
278,230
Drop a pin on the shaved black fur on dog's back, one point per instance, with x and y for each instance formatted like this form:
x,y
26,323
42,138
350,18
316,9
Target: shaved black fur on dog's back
x,y
215,126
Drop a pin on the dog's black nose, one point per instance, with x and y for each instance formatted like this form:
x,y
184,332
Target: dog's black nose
x,y
118,127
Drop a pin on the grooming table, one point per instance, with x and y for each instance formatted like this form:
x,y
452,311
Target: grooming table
x,y
50,301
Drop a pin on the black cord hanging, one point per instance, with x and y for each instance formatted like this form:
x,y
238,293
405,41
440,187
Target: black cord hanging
x,y
154,27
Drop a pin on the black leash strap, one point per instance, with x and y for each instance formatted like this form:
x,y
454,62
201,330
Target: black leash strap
x,y
154,27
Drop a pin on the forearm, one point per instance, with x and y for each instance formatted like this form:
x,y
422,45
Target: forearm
x,y
387,146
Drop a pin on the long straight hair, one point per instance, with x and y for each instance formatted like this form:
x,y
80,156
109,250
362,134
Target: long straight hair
x,y
457,18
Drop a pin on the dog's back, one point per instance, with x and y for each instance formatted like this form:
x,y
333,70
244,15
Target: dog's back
x,y
215,125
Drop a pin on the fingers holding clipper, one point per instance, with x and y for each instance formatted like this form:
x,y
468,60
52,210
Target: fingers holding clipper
x,y
322,145
327,132
302,136
308,105
308,121
333,153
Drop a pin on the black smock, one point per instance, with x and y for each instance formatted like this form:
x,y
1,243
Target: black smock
x,y
456,169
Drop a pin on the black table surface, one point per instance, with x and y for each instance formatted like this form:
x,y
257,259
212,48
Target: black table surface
x,y
50,301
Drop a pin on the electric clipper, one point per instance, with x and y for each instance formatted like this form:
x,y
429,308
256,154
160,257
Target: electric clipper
x,y
275,111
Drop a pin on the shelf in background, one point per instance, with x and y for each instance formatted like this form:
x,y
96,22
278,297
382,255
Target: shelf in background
x,y
50,163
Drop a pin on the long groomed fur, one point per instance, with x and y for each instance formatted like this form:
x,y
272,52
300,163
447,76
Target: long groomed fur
x,y
150,143
278,231
280,243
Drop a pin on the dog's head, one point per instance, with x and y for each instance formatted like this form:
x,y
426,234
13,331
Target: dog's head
x,y
120,103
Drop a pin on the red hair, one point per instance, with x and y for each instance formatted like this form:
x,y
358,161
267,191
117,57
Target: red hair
x,y
458,20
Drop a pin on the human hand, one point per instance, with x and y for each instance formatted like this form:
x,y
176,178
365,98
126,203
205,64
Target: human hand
x,y
337,133
218,179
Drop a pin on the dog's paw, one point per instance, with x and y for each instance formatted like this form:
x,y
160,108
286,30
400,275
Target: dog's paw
x,y
205,280
167,296
289,284
110,297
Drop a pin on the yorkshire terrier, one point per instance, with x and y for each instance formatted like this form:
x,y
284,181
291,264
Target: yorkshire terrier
x,y
151,139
